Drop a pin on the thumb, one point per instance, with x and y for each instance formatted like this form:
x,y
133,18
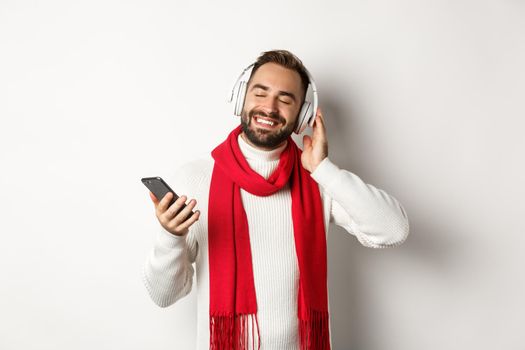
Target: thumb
x,y
153,198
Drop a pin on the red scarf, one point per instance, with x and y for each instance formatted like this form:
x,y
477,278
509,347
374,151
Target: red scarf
x,y
233,305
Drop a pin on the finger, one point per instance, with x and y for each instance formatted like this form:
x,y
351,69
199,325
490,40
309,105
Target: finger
x,y
186,224
153,198
181,216
185,212
319,118
164,203
319,127
172,211
307,141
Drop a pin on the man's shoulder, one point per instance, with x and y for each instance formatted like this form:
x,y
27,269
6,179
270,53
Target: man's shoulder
x,y
201,165
191,175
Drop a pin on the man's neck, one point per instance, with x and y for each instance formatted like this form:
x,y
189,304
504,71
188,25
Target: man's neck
x,y
261,148
258,154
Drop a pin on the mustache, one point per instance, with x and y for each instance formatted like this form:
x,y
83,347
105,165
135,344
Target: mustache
x,y
274,116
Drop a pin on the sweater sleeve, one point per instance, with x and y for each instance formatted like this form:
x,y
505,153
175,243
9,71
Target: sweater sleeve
x,y
168,271
377,219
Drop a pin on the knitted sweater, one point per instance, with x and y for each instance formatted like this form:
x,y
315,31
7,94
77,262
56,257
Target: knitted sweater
x,y
375,218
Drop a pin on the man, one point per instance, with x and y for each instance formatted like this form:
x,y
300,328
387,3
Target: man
x,y
258,240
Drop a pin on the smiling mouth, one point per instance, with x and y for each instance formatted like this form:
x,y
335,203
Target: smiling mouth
x,y
265,122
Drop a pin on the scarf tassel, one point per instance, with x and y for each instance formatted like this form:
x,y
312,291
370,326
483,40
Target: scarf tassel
x,y
314,332
231,331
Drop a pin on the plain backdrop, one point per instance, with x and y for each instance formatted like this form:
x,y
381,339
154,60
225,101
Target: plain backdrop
x,y
423,99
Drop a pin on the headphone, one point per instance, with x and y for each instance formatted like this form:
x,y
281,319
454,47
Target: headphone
x,y
306,115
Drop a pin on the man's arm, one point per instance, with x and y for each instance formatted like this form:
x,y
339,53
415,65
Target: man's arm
x,y
168,272
377,219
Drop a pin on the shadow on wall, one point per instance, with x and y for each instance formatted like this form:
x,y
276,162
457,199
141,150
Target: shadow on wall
x,y
343,249
429,244
345,296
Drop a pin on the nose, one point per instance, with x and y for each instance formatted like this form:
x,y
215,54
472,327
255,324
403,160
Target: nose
x,y
270,105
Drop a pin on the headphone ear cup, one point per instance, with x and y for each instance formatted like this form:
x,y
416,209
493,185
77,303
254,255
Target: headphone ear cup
x,y
239,102
304,115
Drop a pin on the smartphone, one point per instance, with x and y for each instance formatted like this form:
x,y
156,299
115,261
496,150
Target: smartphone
x,y
160,188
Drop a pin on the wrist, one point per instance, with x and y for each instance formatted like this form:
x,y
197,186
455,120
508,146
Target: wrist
x,y
316,164
170,240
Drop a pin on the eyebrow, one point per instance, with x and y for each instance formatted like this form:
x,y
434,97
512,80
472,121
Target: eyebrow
x,y
266,88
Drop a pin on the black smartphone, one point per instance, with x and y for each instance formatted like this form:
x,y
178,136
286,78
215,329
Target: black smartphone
x,y
160,188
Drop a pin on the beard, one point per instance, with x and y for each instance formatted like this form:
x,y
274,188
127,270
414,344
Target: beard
x,y
263,137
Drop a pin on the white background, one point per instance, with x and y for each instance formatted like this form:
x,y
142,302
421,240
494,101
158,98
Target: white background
x,y
424,99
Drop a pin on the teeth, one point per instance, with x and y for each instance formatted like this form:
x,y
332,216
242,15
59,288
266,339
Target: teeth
x,y
265,122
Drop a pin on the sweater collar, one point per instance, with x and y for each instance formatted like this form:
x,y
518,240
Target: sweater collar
x,y
252,153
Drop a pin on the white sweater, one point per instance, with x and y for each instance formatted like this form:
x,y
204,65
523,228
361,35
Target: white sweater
x,y
375,218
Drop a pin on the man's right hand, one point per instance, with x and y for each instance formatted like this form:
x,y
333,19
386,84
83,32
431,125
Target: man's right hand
x,y
175,224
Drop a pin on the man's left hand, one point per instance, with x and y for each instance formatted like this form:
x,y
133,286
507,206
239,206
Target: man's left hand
x,y
315,147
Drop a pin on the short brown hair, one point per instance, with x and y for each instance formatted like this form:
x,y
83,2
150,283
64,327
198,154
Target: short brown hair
x,y
287,60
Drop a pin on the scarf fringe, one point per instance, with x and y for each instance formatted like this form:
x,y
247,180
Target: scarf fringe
x,y
232,332
314,332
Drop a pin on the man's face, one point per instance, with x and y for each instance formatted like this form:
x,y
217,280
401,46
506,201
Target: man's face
x,y
273,100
